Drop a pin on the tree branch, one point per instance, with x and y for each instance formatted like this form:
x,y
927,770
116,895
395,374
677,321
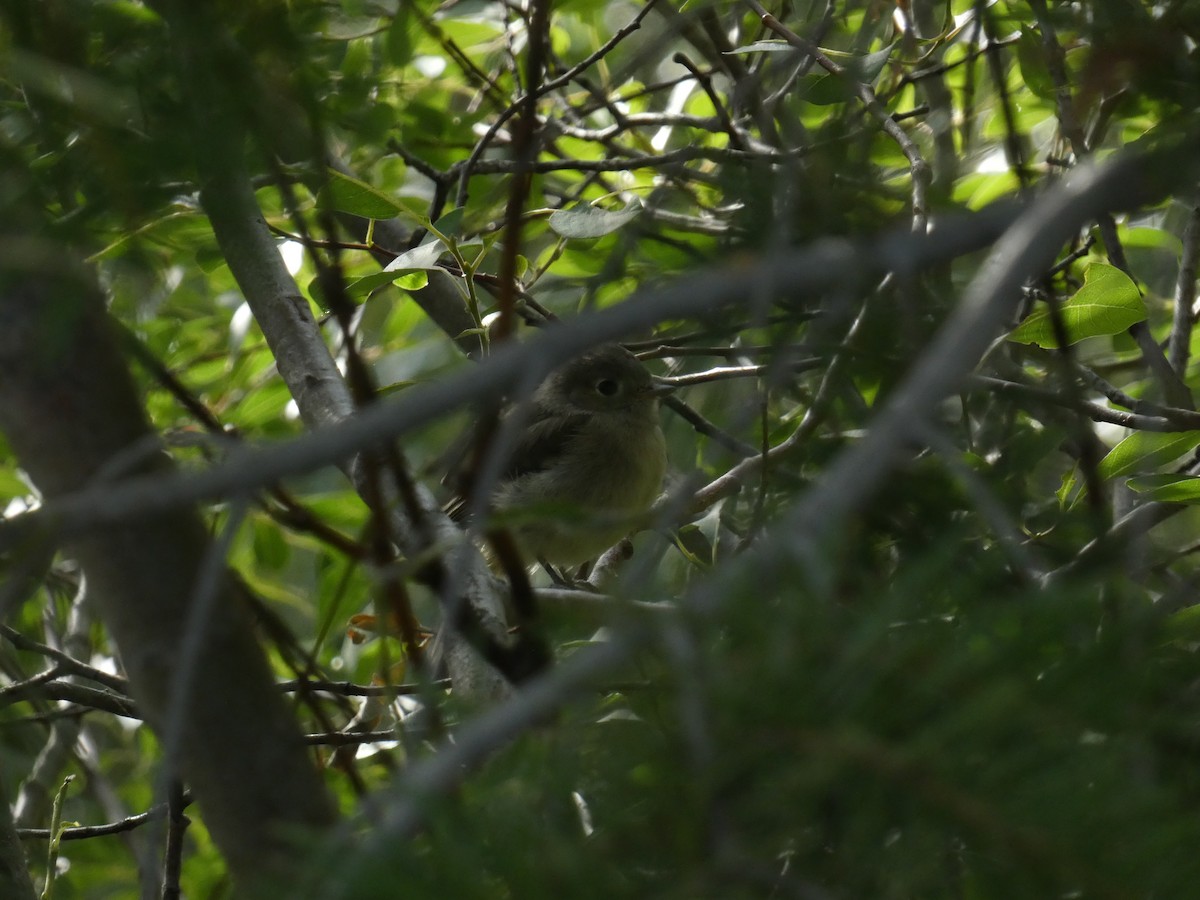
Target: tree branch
x,y
68,407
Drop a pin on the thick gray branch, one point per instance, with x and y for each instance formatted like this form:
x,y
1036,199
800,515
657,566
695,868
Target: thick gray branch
x,y
303,359
987,309
15,883
831,263
68,408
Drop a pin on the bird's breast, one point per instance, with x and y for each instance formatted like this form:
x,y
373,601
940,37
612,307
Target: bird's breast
x,y
627,457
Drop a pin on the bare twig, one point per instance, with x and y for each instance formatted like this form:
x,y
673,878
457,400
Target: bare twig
x,y
819,267
625,163
918,168
725,373
987,308
177,824
1185,295
350,689
64,661
471,165
82,832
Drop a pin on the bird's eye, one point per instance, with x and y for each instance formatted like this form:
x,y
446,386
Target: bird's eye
x,y
607,387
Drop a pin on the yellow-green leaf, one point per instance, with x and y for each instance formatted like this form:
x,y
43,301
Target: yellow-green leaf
x,y
1108,303
349,195
1146,450
1168,488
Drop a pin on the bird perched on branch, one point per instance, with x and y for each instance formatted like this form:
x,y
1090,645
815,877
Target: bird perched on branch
x,y
588,460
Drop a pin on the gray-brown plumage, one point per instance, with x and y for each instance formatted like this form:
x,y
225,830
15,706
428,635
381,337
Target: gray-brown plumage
x,y
589,460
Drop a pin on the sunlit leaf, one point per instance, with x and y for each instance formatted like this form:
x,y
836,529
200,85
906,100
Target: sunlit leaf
x,y
425,256
586,221
1168,488
764,47
1108,303
1146,450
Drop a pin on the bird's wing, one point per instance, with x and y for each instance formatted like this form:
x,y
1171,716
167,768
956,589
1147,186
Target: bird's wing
x,y
542,441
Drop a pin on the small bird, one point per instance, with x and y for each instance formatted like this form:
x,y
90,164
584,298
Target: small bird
x,y
590,458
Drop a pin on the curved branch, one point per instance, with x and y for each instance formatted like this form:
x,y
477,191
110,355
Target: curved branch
x,y
990,303
303,358
988,307
826,264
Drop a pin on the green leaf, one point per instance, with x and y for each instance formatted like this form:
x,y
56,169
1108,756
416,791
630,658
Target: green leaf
x,y
1108,303
1150,239
425,256
862,67
1146,450
978,190
1067,487
349,195
825,89
695,545
398,40
1168,488
261,407
11,485
409,271
592,221
451,223
1184,625
407,281
396,387
762,47
1031,57
270,549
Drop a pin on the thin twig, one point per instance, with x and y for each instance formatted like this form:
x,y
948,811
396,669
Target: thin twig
x,y
470,166
82,832
1188,421
177,824
350,689
724,373
1179,346
624,163
918,168
64,661
708,429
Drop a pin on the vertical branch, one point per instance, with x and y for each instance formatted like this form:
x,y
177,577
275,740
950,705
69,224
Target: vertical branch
x,y
208,63
1169,379
524,152
1064,103
177,824
1012,140
918,168
15,883
1185,296
966,131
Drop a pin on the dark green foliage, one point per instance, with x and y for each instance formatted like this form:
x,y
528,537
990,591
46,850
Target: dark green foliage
x,y
928,705
926,735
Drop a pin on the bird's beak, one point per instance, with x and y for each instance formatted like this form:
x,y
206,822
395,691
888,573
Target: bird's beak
x,y
661,388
